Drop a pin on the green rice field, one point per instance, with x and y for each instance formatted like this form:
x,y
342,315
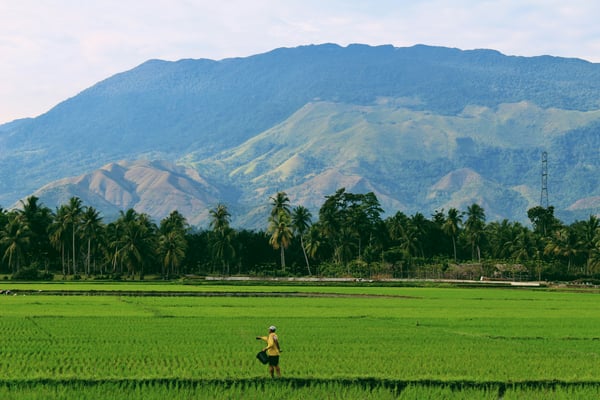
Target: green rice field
x,y
157,341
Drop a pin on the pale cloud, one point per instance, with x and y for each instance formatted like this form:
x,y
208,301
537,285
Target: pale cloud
x,y
52,49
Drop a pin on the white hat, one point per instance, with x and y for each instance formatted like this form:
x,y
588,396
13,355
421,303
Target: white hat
x,y
272,328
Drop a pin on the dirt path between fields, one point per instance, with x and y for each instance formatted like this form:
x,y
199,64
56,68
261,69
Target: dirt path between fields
x,y
147,293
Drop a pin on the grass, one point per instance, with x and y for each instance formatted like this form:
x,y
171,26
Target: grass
x,y
394,342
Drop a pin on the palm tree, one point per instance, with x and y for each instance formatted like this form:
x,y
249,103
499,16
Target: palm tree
x,y
524,246
400,232
474,226
408,233
501,236
91,230
148,242
280,224
58,235
588,232
563,243
409,242
451,227
222,236
73,214
396,225
418,226
172,247
330,223
343,252
280,203
15,237
281,233
313,241
222,247
38,218
594,262
172,243
112,245
136,241
301,221
174,221
220,218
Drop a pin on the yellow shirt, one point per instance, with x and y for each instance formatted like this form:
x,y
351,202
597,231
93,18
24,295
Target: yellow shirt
x,y
272,344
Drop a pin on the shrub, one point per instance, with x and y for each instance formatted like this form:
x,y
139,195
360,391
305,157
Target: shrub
x,y
32,274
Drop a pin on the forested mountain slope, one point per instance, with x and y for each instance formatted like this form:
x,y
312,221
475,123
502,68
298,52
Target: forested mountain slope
x,y
396,121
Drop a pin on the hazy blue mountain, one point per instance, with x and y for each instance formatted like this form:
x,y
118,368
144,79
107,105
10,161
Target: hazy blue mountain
x,y
423,127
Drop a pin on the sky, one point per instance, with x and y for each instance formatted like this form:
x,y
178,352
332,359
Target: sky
x,y
50,50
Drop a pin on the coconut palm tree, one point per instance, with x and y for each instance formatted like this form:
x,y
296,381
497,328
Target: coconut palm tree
x,y
524,246
171,248
38,218
174,221
280,203
15,238
58,236
301,221
594,261
91,230
221,239
313,241
280,224
563,243
111,245
73,212
588,232
219,218
418,228
281,233
136,241
397,225
451,227
172,243
222,247
474,226
501,236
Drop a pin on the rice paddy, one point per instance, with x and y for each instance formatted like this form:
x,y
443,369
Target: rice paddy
x,y
338,342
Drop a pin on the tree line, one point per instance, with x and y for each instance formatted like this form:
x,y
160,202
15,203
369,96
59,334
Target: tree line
x,y
349,237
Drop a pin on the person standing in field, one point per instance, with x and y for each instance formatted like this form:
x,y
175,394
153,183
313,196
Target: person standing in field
x,y
273,350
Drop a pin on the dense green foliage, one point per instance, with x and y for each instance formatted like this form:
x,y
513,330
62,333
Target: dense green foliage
x,y
351,342
349,239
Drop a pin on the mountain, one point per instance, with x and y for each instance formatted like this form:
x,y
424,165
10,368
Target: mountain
x,y
404,156
150,186
423,127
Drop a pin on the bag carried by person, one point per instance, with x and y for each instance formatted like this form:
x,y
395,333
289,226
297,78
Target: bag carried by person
x,y
263,357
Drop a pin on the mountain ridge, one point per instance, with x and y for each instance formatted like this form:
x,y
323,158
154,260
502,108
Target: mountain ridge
x,y
396,119
150,186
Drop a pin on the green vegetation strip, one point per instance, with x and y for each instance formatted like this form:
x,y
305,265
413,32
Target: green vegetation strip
x,y
367,383
379,342
365,388
182,293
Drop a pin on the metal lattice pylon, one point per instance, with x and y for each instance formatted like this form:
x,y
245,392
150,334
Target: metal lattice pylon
x,y
544,194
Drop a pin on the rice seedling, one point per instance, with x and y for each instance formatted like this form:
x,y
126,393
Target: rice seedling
x,y
347,342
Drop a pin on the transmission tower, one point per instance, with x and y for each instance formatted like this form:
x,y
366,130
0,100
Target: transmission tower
x,y
544,195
